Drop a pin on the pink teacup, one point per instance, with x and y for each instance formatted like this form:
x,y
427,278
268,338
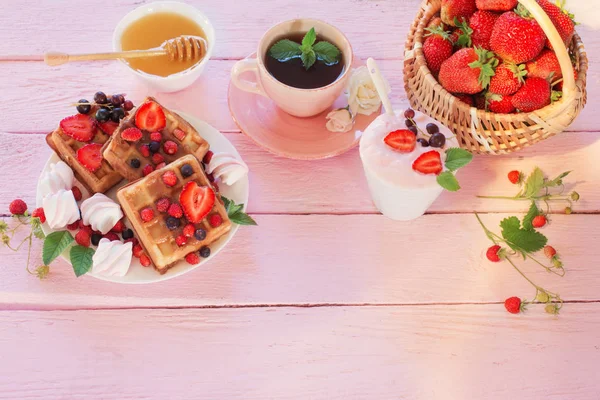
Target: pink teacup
x,y
294,101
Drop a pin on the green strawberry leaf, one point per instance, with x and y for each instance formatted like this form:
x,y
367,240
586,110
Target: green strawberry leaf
x,y
531,214
285,50
534,183
521,240
457,158
327,52
54,244
448,181
81,259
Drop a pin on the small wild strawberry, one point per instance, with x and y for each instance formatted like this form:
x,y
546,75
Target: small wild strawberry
x,y
539,221
549,251
514,177
493,253
514,305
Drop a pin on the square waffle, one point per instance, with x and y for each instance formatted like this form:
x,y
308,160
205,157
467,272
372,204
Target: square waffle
x,y
155,236
66,147
120,152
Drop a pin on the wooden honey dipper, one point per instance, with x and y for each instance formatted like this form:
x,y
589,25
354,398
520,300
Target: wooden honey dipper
x,y
182,48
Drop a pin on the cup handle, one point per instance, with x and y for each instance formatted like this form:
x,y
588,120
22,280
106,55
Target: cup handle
x,y
249,64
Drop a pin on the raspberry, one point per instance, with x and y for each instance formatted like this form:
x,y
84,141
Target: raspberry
x,y
514,177
86,228
211,178
134,241
215,220
163,204
147,214
73,226
39,213
170,147
137,251
17,207
549,251
175,210
207,157
192,258
215,186
492,253
181,240
157,158
155,136
539,221
161,165
189,230
147,169
119,227
111,236
145,260
83,238
145,150
169,178
179,134
76,193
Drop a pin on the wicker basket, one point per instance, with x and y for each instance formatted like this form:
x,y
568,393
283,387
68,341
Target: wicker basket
x,y
488,133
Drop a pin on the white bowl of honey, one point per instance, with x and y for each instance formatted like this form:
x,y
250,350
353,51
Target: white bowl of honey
x,y
150,25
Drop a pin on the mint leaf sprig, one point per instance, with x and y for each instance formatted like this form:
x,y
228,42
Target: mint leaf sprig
x,y
309,52
456,158
7,235
236,214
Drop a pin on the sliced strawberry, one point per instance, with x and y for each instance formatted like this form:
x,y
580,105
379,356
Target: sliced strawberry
x,y
197,201
402,140
80,127
131,134
150,117
179,134
108,127
90,156
428,163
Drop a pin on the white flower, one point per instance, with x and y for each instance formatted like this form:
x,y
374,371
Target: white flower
x,y
362,94
340,120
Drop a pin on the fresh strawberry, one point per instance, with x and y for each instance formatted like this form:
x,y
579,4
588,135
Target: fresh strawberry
x,y
179,134
155,136
77,193
549,252
145,150
436,22
90,156
17,207
428,163
196,201
535,94
517,38
562,20
513,305
175,210
188,230
170,147
73,226
465,98
493,254
402,141
192,259
157,158
468,71
80,127
461,35
108,127
145,260
545,66
119,227
169,178
437,48
132,134
539,221
83,238
514,177
137,251
460,10
147,214
85,227
500,104
496,5
215,220
150,116
147,169
559,85
207,157
39,213
111,236
508,79
181,240
163,204
482,23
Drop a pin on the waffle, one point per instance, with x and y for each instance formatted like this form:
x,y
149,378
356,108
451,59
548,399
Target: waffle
x,y
155,237
120,152
66,147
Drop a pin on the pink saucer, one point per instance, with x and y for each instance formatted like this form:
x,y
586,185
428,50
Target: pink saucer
x,y
292,137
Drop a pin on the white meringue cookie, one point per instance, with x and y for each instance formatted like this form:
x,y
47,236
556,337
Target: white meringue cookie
x,y
60,209
101,213
112,258
58,176
227,167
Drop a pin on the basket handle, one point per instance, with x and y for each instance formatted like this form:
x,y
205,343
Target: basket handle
x,y
557,43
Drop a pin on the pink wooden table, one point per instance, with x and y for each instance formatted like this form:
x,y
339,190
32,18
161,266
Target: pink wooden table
x,y
325,299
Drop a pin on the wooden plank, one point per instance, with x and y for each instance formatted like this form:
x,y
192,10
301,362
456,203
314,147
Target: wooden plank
x,y
338,186
322,259
432,352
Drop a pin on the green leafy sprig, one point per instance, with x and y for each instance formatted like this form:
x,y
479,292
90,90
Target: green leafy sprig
x,y
455,158
7,235
309,52
236,214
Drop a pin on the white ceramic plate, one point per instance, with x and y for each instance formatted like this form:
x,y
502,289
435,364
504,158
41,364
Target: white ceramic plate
x,y
238,193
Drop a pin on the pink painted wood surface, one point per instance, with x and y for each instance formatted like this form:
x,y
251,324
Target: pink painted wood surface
x,y
339,353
